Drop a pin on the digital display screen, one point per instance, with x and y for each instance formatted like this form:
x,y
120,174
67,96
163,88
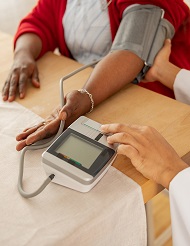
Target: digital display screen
x,y
79,150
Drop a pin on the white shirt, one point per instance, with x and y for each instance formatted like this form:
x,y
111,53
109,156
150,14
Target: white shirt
x,y
182,87
87,29
179,193
179,190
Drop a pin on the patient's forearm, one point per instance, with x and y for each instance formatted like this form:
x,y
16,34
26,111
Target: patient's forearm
x,y
28,44
112,73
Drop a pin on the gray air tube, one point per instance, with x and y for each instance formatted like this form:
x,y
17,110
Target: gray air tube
x,y
45,142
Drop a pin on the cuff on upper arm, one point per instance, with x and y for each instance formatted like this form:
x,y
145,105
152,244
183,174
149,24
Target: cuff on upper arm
x,y
143,31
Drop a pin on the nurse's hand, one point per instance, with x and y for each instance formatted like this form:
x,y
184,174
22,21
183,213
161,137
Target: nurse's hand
x,y
149,152
161,62
24,69
76,104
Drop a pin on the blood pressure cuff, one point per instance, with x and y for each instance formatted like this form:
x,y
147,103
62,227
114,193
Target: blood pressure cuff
x,y
143,31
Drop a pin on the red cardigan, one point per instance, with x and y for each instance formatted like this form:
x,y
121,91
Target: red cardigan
x,y
45,20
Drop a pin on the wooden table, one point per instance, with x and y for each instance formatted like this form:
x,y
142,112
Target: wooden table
x,y
132,104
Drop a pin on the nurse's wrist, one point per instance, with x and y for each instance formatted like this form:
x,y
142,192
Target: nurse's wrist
x,y
170,173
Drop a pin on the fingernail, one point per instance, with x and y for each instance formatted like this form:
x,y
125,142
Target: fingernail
x,y
11,98
102,128
21,95
63,115
5,98
108,140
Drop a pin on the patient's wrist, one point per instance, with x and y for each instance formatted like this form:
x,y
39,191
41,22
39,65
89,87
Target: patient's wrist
x,y
88,97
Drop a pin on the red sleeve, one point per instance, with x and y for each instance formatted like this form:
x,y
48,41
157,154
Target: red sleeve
x,y
44,21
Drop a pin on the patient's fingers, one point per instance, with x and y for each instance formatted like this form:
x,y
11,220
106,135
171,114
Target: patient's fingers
x,y
31,135
29,131
21,145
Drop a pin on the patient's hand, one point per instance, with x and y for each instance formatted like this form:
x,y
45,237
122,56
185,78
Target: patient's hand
x,y
24,69
76,104
45,129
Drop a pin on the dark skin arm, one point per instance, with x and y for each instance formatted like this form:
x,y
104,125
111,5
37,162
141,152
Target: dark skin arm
x,y
109,76
28,48
112,73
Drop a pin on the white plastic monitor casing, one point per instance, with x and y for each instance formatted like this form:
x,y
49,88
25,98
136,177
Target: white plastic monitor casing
x,y
70,176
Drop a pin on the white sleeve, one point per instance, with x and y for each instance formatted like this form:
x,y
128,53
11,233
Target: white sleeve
x,y
182,86
179,193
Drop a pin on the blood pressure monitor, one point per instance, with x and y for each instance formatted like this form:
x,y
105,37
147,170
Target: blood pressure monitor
x,y
80,156
76,158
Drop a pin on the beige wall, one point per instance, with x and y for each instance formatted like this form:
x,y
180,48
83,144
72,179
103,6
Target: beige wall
x,y
11,12
187,1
